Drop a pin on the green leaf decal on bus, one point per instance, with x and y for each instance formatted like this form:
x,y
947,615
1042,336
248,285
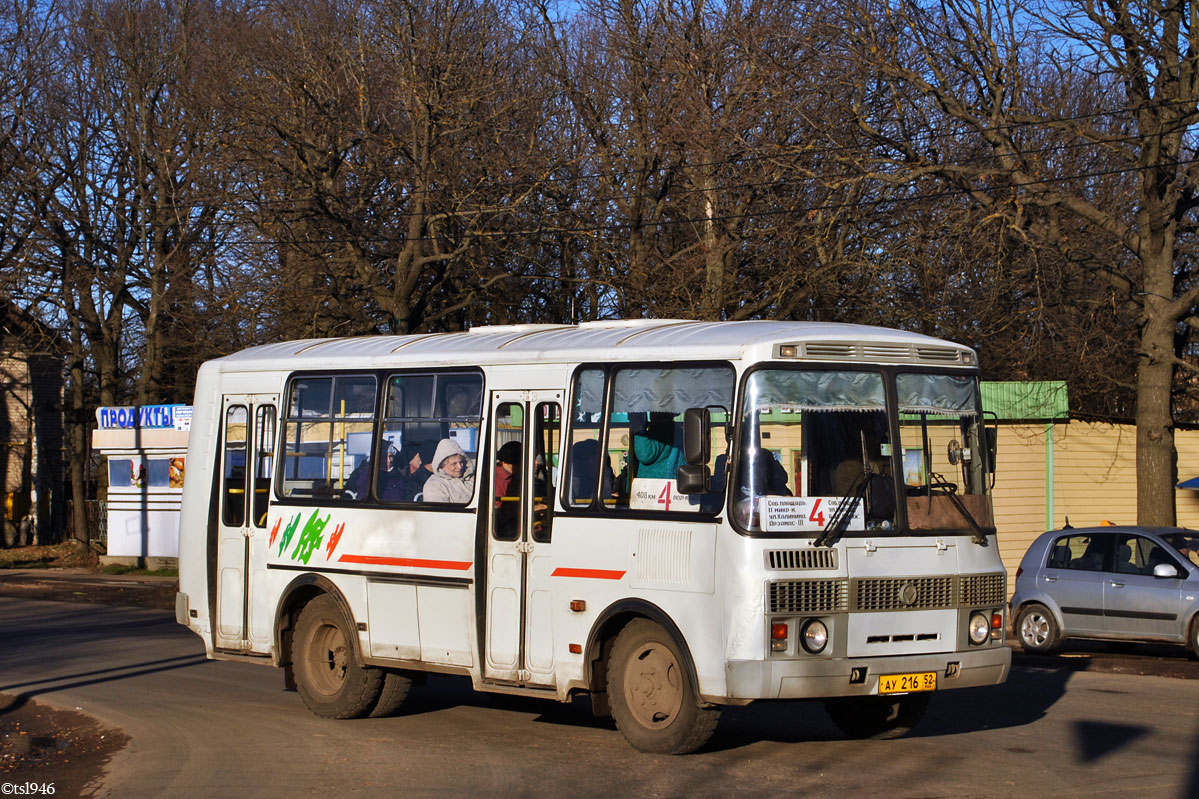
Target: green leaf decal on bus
x,y
310,537
288,532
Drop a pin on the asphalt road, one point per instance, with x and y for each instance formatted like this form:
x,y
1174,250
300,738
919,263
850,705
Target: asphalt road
x,y
202,728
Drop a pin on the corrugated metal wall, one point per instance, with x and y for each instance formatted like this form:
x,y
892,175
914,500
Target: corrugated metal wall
x,y
1094,479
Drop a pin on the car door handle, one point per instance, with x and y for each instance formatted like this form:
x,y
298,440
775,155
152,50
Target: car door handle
x,y
1051,579
1117,585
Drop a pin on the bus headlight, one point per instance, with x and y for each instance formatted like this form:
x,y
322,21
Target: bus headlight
x,y
814,636
980,628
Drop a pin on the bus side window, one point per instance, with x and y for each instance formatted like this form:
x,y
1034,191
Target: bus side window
x,y
233,490
547,422
645,420
508,485
584,483
264,461
423,409
328,437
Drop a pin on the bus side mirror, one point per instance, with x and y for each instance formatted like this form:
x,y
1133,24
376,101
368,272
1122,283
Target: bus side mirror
x,y
694,479
992,435
697,436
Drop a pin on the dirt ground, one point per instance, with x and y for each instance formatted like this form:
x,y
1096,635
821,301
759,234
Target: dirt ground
x,y
159,595
42,746
71,554
45,746
71,572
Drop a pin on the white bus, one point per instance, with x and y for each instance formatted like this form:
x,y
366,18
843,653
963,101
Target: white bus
x,y
669,516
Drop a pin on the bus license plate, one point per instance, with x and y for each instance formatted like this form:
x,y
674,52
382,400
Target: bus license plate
x,y
906,683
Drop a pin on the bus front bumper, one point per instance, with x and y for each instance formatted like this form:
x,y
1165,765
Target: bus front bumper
x,y
811,677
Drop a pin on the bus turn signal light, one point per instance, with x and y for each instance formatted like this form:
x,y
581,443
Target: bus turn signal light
x,y
778,637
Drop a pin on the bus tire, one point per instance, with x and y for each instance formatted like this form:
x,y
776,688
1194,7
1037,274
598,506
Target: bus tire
x,y
877,717
395,690
650,690
331,681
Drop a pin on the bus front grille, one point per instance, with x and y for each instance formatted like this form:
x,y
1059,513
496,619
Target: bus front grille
x,y
822,558
984,589
903,593
886,593
809,596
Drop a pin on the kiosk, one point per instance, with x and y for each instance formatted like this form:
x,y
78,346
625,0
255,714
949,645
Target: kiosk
x,y
145,451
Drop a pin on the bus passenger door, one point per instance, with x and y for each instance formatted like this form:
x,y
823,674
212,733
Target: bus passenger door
x,y
525,426
243,494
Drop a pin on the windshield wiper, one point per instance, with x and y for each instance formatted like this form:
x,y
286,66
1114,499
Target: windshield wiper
x,y
947,489
840,518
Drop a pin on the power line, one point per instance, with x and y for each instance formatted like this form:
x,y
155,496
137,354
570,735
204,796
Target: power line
x,y
794,151
683,221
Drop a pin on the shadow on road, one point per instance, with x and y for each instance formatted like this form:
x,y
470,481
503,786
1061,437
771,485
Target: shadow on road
x,y
66,681
1023,699
443,692
1191,791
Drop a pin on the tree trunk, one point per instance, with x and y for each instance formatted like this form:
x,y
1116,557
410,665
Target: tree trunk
x,y
77,449
1155,426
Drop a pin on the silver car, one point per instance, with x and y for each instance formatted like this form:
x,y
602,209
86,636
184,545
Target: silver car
x,y
1123,585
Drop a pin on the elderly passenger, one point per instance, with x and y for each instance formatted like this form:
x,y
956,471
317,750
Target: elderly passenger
x,y
452,479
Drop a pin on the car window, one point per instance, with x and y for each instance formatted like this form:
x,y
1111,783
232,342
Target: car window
x,y
1187,545
1079,552
1138,555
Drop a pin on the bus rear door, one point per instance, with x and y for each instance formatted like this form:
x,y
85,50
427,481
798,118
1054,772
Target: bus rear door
x,y
519,639
248,424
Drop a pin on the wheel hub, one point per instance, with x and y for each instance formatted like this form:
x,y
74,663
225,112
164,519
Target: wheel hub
x,y
653,687
330,659
1035,630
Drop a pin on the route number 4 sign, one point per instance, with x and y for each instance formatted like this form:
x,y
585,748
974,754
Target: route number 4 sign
x,y
806,514
648,493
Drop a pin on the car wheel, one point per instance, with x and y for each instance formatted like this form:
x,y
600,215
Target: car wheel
x,y
877,717
1195,638
1037,629
331,681
654,704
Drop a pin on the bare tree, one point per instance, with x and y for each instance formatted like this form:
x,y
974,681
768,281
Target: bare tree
x,y
126,159
1004,78
27,56
390,141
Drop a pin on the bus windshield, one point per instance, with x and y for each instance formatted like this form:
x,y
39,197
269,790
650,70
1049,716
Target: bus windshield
x,y
816,453
943,454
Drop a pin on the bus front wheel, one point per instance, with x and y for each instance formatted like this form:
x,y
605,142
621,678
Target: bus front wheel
x,y
650,690
331,681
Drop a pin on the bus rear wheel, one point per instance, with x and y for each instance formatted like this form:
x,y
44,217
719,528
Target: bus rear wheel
x,y
331,681
396,685
877,717
654,703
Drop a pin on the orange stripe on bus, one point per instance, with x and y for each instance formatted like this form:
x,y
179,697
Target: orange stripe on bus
x,y
597,574
375,560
